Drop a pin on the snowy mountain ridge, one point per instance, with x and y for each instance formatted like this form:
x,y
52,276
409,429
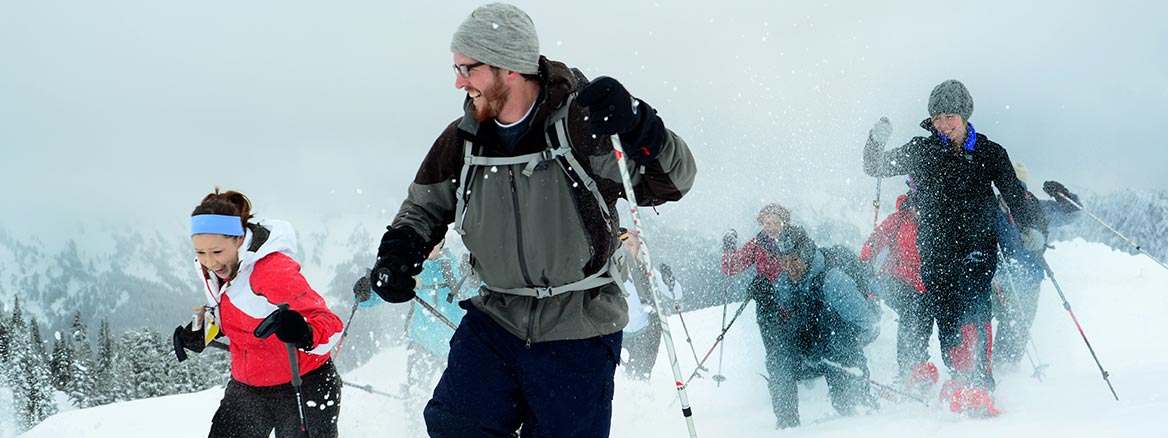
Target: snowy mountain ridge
x,y
142,277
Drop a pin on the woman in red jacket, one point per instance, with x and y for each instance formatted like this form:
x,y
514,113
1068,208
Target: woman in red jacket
x,y
892,251
247,270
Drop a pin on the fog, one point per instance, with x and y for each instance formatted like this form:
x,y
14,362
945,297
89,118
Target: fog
x,y
130,111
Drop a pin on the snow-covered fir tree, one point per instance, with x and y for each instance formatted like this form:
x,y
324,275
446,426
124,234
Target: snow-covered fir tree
x,y
32,389
81,386
5,339
141,366
104,376
61,361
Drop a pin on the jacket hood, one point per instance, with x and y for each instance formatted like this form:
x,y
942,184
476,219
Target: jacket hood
x,y
266,237
902,203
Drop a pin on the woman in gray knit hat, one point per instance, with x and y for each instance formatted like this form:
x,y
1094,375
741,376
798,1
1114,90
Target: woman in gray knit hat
x,y
956,169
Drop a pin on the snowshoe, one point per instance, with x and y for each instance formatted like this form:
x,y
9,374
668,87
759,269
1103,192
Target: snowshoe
x,y
923,377
974,402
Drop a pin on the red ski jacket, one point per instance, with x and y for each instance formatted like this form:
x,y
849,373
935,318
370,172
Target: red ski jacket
x,y
892,247
752,254
268,276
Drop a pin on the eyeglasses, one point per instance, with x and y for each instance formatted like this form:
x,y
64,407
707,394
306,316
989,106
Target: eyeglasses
x,y
464,69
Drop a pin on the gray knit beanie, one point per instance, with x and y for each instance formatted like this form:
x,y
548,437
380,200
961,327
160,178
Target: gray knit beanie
x,y
500,35
951,97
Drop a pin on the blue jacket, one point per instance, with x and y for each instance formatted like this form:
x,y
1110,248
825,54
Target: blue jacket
x,y
836,320
1019,265
436,282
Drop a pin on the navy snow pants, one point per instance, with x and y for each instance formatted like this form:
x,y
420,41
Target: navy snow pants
x,y
495,385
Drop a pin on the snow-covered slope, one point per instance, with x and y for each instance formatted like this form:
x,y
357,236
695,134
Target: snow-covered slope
x,y
1118,298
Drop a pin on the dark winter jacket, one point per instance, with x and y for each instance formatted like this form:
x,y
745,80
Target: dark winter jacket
x,y
956,203
541,229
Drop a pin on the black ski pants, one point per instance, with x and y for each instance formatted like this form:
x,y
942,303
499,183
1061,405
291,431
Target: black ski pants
x,y
958,286
254,411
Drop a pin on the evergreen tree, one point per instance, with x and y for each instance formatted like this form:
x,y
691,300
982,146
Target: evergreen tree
x,y
33,394
61,362
105,388
199,371
5,339
141,366
17,318
82,385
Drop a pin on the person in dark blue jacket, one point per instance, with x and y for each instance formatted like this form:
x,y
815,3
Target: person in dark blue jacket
x,y
1020,272
821,327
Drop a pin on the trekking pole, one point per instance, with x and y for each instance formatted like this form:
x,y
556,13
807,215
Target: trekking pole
x,y
1067,305
876,202
1035,361
1113,230
430,308
369,389
265,329
666,335
362,285
858,373
677,307
719,378
718,340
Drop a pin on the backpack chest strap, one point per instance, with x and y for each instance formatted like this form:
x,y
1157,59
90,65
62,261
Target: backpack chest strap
x,y
605,275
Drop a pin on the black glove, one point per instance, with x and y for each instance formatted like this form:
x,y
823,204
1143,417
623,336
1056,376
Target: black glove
x,y
362,290
399,259
187,339
289,327
1056,190
612,110
730,241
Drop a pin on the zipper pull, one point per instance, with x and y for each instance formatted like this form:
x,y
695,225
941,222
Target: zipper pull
x,y
528,345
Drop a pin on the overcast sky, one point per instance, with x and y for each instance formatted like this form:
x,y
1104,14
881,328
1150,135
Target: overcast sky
x,y
132,110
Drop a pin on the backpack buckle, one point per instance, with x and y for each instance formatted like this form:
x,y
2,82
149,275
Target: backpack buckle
x,y
542,292
547,154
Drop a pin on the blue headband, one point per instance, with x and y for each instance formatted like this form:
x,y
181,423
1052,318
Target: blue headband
x,y
216,224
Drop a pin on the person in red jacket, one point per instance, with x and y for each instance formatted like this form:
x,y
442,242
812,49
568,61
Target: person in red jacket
x,y
759,251
892,251
247,270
